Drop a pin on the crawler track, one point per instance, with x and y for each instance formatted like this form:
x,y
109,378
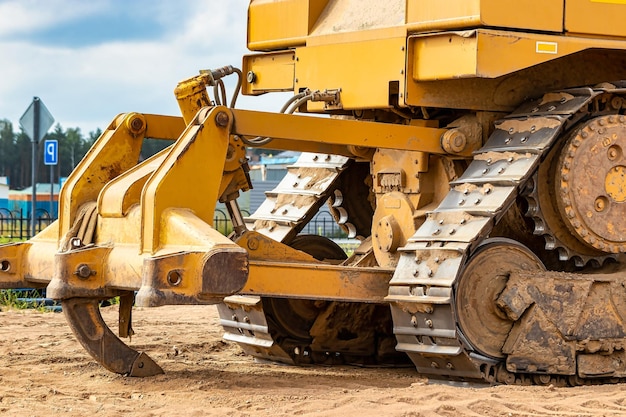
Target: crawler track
x,y
427,295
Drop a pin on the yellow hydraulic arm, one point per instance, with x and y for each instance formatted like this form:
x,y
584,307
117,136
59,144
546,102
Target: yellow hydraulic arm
x,y
146,227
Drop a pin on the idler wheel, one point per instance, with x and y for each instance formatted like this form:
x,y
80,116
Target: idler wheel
x,y
484,277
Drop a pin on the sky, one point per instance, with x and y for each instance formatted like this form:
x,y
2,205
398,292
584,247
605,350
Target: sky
x,y
89,60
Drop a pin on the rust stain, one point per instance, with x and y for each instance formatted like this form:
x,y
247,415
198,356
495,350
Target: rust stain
x,y
552,97
315,178
264,224
499,156
483,189
455,217
296,200
526,124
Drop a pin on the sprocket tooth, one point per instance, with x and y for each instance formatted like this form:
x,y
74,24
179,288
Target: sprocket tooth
x,y
563,254
578,261
337,198
540,229
351,230
532,208
342,215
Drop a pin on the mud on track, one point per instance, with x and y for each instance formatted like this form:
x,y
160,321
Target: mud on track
x,y
44,371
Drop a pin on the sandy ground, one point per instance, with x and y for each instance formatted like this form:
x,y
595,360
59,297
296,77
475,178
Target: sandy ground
x,y
44,371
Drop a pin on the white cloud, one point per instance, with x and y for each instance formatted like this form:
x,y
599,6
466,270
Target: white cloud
x,y
87,87
27,16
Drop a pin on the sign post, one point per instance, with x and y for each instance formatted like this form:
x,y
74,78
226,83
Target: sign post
x,y
51,157
35,121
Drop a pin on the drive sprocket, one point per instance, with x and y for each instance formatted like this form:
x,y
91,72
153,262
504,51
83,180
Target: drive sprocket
x,y
558,198
591,184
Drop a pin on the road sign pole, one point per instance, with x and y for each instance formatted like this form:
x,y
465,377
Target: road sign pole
x,y
51,190
35,141
35,121
51,157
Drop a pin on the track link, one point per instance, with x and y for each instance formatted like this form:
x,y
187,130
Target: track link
x,y
296,199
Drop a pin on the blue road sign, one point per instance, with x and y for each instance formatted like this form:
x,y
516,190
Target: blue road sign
x,y
50,152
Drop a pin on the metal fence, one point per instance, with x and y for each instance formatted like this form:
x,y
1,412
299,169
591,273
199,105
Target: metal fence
x,y
322,224
15,226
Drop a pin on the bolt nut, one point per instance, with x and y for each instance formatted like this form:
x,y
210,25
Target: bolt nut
x,y
222,119
453,141
83,271
601,204
136,124
614,153
253,244
251,77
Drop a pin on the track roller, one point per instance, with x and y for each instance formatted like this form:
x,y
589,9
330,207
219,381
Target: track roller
x,y
291,319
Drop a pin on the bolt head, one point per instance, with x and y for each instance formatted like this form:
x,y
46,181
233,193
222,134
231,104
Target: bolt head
x,y
83,271
222,119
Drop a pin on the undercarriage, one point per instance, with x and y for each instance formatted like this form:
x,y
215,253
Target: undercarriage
x,y
468,303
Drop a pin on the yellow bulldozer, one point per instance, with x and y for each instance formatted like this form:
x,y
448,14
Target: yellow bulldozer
x,y
475,148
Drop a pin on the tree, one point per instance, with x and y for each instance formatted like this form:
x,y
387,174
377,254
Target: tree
x,y
16,153
7,145
21,170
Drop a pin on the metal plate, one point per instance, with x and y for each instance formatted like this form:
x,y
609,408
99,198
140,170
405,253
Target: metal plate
x,y
295,182
510,171
434,324
277,232
434,268
243,321
476,200
569,103
419,295
528,135
320,160
268,210
463,228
